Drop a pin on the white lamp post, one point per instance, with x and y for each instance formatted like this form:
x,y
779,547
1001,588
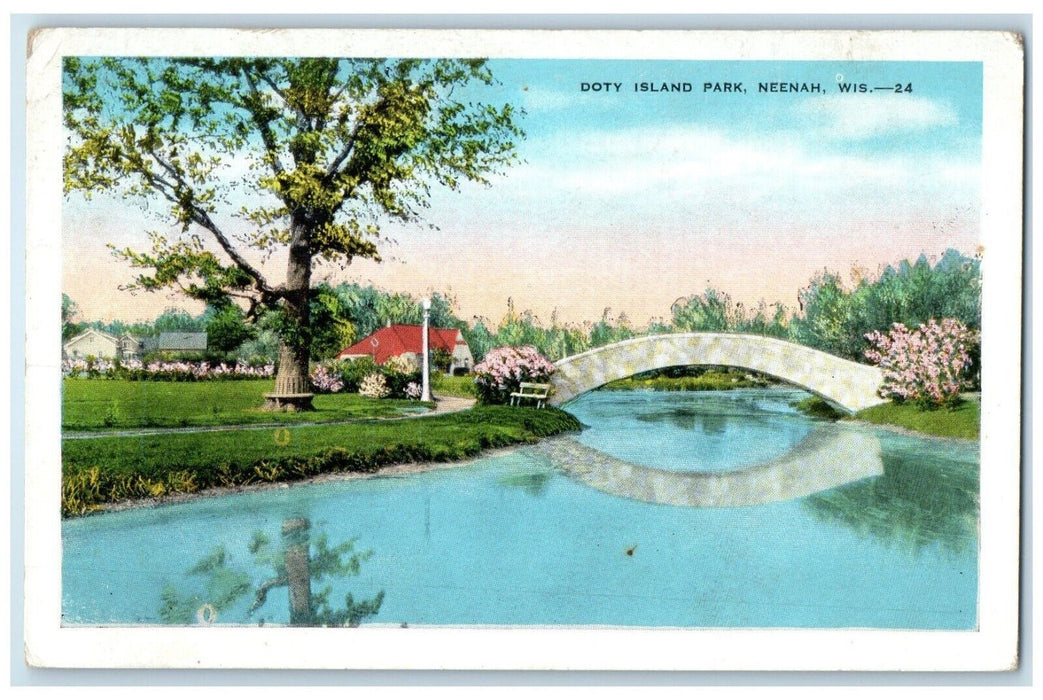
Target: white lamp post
x,y
426,394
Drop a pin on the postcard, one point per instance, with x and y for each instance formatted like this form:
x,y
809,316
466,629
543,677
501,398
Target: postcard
x,y
433,349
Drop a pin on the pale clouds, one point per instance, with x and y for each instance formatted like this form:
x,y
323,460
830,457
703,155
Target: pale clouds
x,y
542,99
873,115
676,173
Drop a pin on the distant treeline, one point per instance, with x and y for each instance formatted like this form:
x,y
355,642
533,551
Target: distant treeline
x,y
831,315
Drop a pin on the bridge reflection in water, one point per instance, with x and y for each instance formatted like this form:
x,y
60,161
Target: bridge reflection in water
x,y
828,457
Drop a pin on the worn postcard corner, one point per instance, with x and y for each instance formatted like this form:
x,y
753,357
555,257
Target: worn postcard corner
x,y
541,350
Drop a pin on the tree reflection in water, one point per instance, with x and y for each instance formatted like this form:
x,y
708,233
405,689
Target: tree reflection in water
x,y
686,418
298,560
919,500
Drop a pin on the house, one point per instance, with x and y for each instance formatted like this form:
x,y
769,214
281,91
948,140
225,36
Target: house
x,y
92,343
395,340
176,342
103,346
131,347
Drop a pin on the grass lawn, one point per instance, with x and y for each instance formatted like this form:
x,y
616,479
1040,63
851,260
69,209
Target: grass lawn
x,y
110,469
115,404
963,421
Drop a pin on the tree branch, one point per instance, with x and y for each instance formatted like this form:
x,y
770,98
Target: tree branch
x,y
302,118
267,79
343,155
201,217
264,125
262,591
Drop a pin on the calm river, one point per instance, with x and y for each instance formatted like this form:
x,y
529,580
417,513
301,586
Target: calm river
x,y
708,509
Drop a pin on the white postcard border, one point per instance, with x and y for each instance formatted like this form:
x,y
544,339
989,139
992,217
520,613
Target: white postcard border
x,y
992,647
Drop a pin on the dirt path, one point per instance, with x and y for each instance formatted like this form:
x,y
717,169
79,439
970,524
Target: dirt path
x,y
446,404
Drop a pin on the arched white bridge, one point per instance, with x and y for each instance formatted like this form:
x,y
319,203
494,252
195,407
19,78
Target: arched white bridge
x,y
844,384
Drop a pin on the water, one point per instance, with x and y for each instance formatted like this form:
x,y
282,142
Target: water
x,y
516,539
720,431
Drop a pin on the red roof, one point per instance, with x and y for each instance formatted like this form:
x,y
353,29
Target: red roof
x,y
390,341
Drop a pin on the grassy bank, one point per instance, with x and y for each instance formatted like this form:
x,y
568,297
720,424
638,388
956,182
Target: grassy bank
x,y
962,421
115,404
709,380
110,469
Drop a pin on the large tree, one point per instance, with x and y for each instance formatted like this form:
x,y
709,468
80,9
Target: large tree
x,y
307,155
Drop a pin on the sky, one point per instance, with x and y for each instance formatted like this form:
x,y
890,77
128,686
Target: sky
x,y
629,199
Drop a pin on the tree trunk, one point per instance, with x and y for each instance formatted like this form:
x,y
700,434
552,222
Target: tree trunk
x,y
292,377
298,570
292,380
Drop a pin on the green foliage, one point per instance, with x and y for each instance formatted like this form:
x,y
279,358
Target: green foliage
x,y
690,379
446,385
959,421
714,311
711,311
398,374
332,328
263,348
70,328
354,371
556,341
178,321
441,360
227,329
171,319
836,319
608,330
110,469
817,408
480,339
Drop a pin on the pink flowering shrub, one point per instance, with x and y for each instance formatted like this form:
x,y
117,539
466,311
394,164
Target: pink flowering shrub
x,y
326,379
504,369
160,371
924,366
348,376
414,391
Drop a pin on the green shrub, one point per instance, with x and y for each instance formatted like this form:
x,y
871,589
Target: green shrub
x,y
354,371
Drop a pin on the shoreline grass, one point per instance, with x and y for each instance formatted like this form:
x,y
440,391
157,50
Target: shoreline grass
x,y
962,421
113,469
